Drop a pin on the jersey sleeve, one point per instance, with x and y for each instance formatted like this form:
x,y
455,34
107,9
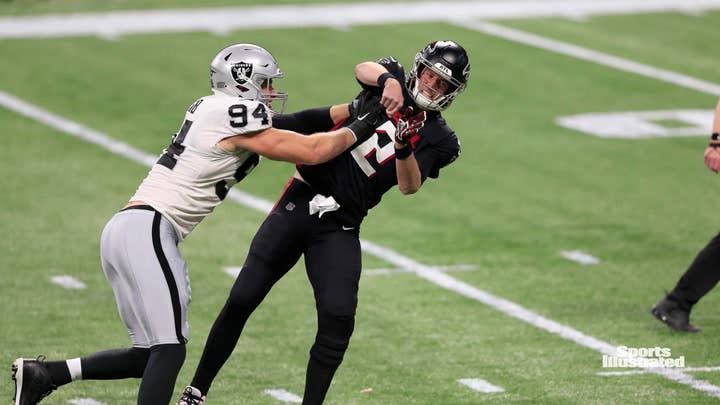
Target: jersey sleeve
x,y
306,121
436,155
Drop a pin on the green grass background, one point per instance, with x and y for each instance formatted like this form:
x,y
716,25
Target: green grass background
x,y
523,190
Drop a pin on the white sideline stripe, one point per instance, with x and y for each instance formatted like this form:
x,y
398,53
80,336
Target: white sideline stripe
x,y
426,272
579,257
590,55
386,271
633,372
223,20
481,385
283,395
84,401
68,282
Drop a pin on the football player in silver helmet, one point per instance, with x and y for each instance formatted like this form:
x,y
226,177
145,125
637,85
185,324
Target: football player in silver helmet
x,y
218,144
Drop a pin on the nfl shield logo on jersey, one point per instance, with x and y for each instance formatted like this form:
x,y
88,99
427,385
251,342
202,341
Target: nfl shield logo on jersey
x,y
241,72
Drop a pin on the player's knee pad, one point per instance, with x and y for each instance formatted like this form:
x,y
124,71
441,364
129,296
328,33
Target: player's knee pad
x,y
333,338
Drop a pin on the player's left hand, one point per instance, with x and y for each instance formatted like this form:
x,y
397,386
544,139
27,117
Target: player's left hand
x,y
408,125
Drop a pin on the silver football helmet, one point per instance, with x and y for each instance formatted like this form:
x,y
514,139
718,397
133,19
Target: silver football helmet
x,y
242,70
448,60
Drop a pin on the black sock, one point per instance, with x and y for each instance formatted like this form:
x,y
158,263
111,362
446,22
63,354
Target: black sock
x,y
59,373
702,275
161,371
115,364
326,354
317,381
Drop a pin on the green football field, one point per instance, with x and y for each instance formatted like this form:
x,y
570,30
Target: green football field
x,y
487,234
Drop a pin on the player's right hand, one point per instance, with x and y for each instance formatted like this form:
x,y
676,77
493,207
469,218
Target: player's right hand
x,y
392,96
712,158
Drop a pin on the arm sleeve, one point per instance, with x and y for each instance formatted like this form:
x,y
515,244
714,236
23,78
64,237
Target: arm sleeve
x,y
306,121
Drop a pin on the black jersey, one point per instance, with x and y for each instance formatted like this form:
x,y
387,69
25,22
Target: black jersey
x,y
359,177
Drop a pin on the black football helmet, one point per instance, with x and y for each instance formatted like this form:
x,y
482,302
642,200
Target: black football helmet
x,y
447,59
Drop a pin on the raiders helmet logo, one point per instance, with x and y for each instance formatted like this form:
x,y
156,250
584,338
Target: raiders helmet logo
x,y
241,71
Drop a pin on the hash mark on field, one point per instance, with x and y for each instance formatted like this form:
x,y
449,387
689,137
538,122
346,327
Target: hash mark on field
x,y
283,395
68,282
84,401
579,257
481,385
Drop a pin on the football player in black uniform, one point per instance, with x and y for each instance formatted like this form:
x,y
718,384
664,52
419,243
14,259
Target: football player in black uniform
x,y
704,272
322,207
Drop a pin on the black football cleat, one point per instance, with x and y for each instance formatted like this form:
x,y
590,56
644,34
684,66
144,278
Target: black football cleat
x,y
32,381
671,314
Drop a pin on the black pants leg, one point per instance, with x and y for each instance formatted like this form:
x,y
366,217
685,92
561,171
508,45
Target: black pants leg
x,y
333,262
273,252
702,275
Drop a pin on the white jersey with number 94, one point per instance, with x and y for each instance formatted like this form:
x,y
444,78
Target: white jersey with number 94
x,y
194,174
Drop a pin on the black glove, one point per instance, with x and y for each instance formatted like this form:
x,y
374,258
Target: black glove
x,y
372,116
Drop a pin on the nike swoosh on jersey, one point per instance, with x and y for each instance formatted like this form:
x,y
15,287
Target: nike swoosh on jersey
x,y
348,228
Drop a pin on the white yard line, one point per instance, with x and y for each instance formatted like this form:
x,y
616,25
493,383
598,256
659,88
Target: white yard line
x,y
224,20
579,256
68,282
481,385
590,55
85,401
387,271
283,395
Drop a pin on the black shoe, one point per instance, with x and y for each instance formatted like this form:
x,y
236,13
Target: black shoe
x,y
671,314
32,381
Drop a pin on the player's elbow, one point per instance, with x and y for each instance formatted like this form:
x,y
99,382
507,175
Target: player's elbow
x,y
407,189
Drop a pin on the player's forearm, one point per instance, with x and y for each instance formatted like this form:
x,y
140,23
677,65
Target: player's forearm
x,y
326,146
369,72
408,174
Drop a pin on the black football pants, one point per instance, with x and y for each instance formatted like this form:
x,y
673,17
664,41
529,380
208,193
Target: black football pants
x,y
333,261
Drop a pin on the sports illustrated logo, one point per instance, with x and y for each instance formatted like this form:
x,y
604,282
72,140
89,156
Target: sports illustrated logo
x,y
241,71
643,357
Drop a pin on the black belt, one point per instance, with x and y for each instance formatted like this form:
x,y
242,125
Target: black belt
x,y
138,207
